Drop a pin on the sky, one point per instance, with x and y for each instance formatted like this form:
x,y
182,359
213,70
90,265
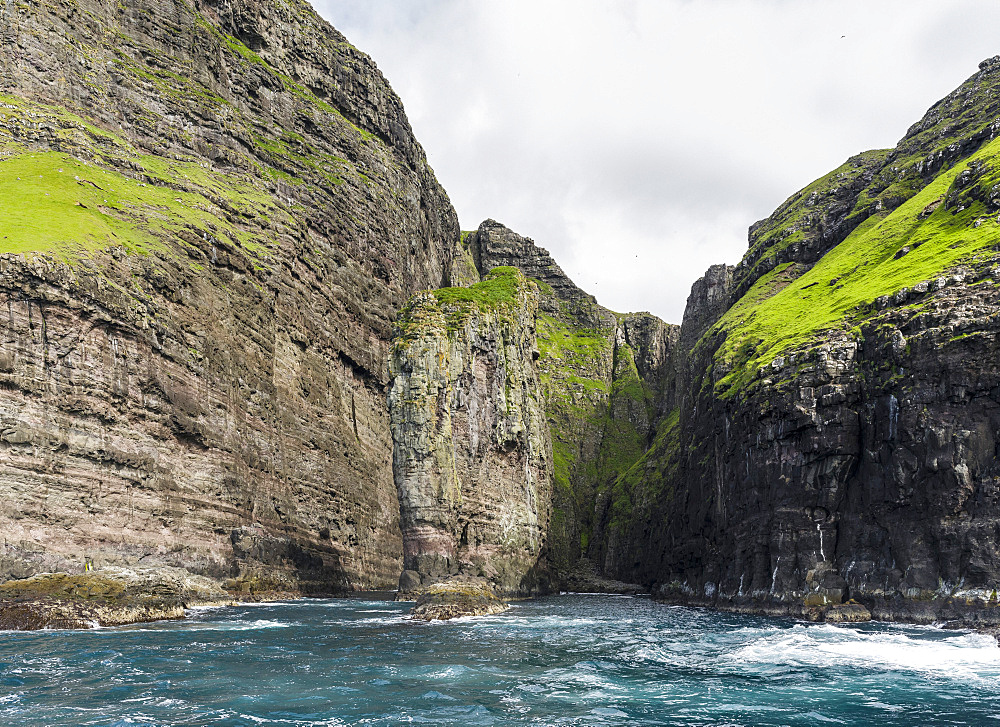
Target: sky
x,y
637,140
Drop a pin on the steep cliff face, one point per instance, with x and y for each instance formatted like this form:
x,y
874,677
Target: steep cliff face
x,y
471,455
604,376
212,213
837,425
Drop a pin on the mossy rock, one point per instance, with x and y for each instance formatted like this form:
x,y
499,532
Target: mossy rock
x,y
847,613
457,597
108,597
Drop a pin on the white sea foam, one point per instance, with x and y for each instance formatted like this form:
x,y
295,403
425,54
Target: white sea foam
x,y
374,620
438,696
261,623
963,655
608,712
549,622
332,722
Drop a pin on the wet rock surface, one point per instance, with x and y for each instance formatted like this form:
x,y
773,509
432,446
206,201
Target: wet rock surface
x,y
105,597
847,613
585,578
456,597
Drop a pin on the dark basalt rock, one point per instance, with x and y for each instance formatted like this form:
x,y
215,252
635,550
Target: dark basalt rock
x,y
585,578
861,463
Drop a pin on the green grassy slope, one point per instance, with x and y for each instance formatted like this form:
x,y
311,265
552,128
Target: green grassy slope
x,y
948,222
103,192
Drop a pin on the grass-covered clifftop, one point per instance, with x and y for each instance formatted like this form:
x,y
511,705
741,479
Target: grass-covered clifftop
x,y
885,222
500,294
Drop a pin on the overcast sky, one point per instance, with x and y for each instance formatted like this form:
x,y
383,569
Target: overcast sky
x,y
637,140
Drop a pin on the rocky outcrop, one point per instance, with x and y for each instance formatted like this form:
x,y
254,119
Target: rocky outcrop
x,y
105,597
471,452
494,245
457,597
213,211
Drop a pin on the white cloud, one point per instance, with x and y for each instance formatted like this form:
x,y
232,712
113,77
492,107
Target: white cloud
x,y
638,139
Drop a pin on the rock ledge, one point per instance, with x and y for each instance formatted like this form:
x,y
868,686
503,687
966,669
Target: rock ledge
x,y
106,597
456,597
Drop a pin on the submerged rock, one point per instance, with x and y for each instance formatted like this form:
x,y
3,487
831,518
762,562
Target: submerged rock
x,y
456,597
106,597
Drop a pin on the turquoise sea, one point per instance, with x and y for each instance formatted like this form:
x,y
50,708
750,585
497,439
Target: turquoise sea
x,y
563,660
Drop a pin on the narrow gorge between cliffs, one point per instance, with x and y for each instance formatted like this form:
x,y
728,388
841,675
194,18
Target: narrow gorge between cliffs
x,y
248,356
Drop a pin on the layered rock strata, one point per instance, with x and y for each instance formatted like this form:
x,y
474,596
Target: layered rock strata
x,y
212,213
471,453
607,385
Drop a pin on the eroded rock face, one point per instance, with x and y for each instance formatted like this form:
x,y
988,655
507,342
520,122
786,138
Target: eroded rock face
x,y
868,475
105,597
471,451
456,597
193,347
608,391
860,461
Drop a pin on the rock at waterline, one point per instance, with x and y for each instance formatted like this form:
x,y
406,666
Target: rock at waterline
x,y
847,613
456,597
105,597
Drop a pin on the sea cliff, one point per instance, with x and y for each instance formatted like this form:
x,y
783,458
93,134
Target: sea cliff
x,y
244,336
212,213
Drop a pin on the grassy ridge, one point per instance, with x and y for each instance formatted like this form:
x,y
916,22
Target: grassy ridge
x,y
920,240
450,308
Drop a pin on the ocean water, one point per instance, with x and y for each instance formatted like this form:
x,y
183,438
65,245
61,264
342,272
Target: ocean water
x,y
565,660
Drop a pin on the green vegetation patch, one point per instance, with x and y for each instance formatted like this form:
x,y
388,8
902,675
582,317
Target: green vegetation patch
x,y
798,217
449,308
918,241
499,289
649,481
106,193
575,347
54,203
